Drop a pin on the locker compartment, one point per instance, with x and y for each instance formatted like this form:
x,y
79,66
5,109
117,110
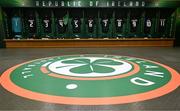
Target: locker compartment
x,y
76,23
61,17
30,23
13,23
91,23
106,20
135,22
165,22
45,23
120,23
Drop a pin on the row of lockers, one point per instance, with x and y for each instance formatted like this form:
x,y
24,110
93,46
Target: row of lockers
x,y
88,22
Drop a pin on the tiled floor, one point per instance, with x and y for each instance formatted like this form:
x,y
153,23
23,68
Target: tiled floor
x,y
165,55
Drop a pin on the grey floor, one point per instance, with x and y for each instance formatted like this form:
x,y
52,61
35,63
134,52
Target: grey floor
x,y
166,55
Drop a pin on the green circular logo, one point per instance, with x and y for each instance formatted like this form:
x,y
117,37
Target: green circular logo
x,y
90,79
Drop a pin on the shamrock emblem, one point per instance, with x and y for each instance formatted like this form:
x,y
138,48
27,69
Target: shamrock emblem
x,y
86,65
89,67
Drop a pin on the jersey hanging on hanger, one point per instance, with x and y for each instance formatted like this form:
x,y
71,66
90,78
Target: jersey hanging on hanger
x,y
47,25
134,25
162,25
61,26
119,25
105,25
148,25
76,24
16,25
32,24
90,24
